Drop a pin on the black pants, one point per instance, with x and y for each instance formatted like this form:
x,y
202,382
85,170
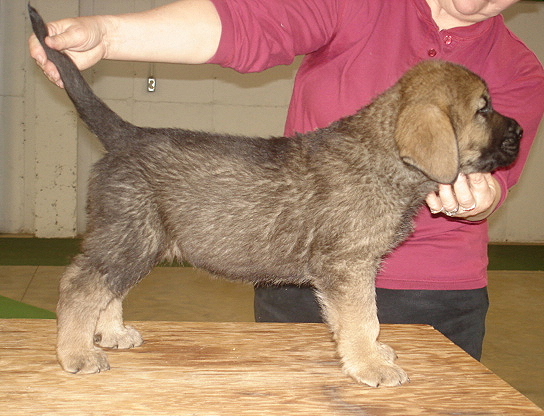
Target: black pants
x,y
458,314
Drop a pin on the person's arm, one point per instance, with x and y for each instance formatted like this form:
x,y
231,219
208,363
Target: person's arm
x,y
186,31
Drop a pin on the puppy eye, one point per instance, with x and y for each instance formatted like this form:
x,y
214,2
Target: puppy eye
x,y
485,106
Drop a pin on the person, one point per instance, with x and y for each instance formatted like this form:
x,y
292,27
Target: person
x,y
354,50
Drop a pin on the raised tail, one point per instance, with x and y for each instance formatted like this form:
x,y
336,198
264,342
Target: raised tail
x,y
114,132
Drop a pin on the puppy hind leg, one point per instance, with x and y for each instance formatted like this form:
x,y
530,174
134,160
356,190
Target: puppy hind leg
x,y
83,295
111,332
128,255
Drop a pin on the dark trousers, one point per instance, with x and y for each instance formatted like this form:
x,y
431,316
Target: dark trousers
x,y
458,314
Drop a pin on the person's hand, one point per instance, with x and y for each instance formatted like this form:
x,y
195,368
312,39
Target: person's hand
x,y
82,39
472,197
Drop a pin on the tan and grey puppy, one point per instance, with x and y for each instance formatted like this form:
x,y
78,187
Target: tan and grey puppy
x,y
320,208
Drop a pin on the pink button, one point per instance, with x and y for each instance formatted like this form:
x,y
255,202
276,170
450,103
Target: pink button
x,y
431,52
447,39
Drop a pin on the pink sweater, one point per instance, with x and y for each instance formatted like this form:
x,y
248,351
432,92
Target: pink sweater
x,y
356,49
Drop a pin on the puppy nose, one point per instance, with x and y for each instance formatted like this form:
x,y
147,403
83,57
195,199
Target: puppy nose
x,y
512,137
515,130
518,131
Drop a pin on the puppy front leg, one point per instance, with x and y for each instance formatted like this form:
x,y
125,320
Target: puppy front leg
x,y
349,306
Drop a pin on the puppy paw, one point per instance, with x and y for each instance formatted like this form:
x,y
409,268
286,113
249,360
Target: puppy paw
x,y
386,351
376,371
123,337
83,362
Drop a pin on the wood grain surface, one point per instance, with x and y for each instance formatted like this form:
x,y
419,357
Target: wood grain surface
x,y
245,369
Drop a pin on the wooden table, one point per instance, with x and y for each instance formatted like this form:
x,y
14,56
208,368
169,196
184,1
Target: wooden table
x,y
245,369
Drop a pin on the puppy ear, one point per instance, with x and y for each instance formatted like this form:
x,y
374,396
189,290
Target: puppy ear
x,y
426,140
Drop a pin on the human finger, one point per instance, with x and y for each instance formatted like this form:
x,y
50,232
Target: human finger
x,y
53,74
434,203
464,194
36,51
448,198
69,34
443,200
49,69
483,187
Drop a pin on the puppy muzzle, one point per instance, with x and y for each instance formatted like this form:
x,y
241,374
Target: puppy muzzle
x,y
512,138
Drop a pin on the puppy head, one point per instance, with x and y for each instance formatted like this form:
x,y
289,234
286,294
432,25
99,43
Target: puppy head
x,y
447,125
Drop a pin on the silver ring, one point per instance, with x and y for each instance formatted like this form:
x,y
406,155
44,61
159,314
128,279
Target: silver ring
x,y
461,209
451,213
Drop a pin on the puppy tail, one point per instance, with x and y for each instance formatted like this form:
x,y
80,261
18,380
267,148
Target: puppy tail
x,y
114,132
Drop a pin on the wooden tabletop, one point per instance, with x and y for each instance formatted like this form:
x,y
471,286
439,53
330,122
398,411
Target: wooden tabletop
x,y
245,369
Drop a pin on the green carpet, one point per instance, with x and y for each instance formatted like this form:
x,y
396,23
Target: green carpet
x,y
37,251
516,257
44,252
10,309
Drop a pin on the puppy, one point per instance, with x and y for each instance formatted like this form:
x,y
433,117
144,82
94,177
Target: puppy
x,y
321,208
